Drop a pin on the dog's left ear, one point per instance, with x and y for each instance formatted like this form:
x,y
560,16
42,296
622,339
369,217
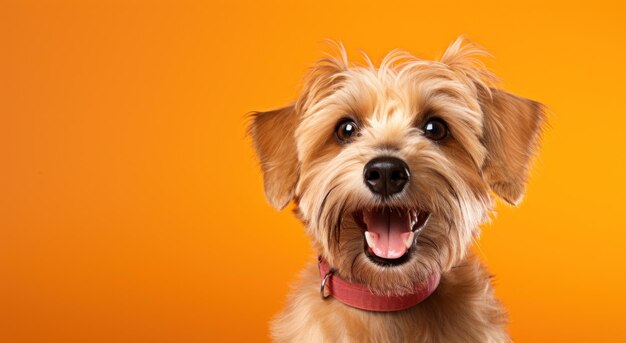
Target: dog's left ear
x,y
511,130
273,136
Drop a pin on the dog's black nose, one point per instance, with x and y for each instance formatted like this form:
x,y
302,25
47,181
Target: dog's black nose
x,y
386,175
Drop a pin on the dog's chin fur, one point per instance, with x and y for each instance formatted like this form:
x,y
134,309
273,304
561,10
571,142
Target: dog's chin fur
x,y
492,138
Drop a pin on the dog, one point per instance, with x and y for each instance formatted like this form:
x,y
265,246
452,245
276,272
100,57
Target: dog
x,y
391,169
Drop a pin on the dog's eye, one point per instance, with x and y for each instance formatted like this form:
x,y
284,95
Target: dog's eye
x,y
345,130
435,129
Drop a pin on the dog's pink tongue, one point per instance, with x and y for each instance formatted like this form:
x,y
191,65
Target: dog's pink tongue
x,y
388,230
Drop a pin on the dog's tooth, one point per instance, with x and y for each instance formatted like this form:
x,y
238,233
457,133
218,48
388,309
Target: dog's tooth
x,y
371,239
413,218
409,240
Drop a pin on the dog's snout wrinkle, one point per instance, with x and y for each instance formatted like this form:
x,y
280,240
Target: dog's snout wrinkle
x,y
386,175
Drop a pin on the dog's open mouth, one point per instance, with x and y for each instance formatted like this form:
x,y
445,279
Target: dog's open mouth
x,y
390,232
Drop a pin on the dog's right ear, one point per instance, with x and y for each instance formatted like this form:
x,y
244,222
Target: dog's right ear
x,y
512,127
274,141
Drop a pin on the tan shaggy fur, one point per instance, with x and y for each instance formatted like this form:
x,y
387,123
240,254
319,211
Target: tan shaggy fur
x,y
492,138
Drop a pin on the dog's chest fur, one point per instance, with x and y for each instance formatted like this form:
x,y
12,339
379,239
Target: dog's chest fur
x,y
462,309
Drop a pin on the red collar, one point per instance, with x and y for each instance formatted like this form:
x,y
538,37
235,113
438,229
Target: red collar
x,y
359,296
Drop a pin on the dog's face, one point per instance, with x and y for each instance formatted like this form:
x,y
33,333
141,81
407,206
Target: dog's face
x,y
391,168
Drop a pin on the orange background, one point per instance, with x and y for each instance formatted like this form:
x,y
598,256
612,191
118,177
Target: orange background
x,y
131,204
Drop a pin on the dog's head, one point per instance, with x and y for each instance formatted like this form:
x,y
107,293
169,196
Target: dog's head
x,y
391,167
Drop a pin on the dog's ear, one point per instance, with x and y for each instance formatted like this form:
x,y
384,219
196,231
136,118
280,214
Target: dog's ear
x,y
512,126
273,136
273,132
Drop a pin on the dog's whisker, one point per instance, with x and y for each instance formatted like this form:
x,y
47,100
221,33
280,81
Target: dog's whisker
x,y
427,241
339,222
480,249
323,205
